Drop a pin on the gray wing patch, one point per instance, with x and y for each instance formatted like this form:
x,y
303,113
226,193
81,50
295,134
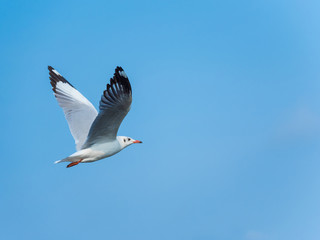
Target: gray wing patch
x,y
115,103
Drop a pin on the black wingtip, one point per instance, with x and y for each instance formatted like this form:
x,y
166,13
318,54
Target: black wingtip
x,y
119,69
56,77
120,73
122,79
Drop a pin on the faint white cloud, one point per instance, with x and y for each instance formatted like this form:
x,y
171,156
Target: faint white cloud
x,y
255,235
301,123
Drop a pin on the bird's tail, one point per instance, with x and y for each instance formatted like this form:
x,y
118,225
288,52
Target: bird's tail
x,y
63,160
82,154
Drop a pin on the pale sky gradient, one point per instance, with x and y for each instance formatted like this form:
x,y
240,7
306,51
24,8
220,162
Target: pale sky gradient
x,y
225,99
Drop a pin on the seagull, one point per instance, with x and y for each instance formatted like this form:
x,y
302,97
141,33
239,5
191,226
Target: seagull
x,y
95,134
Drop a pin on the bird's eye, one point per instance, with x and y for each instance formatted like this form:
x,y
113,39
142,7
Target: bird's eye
x,y
129,139
124,140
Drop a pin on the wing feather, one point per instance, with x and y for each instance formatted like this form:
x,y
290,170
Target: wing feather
x,y
79,112
115,103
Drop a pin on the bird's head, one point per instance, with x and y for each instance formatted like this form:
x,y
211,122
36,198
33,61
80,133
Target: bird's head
x,y
126,141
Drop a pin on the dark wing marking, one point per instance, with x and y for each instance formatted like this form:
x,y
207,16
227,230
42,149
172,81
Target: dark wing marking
x,y
115,103
79,112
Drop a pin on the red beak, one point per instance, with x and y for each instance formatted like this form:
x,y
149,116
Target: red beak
x,y
137,141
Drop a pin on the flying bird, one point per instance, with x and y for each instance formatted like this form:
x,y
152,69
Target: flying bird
x,y
95,134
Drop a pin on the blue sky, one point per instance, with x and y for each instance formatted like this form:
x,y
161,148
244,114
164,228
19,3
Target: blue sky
x,y
225,98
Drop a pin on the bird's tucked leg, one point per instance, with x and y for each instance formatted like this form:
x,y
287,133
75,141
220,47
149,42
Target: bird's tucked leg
x,y
74,163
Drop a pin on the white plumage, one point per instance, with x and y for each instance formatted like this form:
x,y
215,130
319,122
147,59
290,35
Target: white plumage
x,y
95,134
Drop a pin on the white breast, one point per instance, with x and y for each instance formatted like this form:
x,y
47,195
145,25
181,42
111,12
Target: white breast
x,y
103,150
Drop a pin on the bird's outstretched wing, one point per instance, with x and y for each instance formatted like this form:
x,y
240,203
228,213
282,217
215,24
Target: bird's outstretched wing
x,y
114,105
79,112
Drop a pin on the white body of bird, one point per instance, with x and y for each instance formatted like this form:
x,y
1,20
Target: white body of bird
x,y
94,134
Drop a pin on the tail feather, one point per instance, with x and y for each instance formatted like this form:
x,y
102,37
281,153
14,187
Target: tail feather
x,y
75,156
62,160
68,159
